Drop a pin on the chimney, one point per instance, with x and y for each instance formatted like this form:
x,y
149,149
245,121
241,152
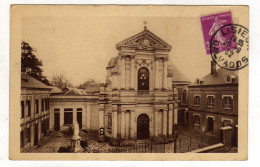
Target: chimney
x,y
213,68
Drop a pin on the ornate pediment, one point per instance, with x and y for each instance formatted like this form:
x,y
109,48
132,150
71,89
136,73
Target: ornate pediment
x,y
144,40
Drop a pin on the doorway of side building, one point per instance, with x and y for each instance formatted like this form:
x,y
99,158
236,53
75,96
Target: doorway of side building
x,y
210,124
36,134
79,119
56,121
143,127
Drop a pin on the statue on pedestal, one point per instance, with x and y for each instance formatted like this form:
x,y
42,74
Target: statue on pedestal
x,y
75,140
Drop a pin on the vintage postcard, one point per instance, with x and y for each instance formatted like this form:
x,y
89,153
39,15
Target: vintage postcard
x,y
111,82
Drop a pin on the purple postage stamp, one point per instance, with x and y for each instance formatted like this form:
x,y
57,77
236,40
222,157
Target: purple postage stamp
x,y
212,23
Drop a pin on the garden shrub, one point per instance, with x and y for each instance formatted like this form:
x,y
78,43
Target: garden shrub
x,y
84,143
63,149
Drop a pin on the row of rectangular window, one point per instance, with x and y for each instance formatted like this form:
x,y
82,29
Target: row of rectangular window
x,y
68,115
44,106
67,109
227,102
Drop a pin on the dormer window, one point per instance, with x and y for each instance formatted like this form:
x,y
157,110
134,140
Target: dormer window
x,y
230,78
197,81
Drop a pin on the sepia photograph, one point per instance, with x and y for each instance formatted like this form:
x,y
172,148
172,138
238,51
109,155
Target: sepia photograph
x,y
102,82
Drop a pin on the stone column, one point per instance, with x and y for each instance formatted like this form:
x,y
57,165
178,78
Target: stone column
x,y
170,120
32,134
101,115
175,121
165,69
227,136
132,86
123,72
84,117
52,119
88,116
61,118
156,74
164,122
156,123
114,124
74,112
123,125
132,124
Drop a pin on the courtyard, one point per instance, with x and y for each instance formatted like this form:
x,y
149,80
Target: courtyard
x,y
187,140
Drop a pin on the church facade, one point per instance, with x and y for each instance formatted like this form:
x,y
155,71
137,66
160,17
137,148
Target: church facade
x,y
136,102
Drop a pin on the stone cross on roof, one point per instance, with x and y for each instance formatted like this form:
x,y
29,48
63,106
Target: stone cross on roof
x,y
145,22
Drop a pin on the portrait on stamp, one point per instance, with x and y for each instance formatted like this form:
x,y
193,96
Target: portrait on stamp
x,y
129,82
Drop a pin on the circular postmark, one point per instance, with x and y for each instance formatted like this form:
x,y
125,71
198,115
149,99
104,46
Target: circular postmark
x,y
229,47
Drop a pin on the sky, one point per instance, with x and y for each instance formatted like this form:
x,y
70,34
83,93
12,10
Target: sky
x,y
81,47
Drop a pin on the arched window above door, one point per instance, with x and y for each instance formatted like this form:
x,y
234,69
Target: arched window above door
x,y
143,79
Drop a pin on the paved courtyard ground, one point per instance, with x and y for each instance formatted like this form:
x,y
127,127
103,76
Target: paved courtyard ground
x,y
187,141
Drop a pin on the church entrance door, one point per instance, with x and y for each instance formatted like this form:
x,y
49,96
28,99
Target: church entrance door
x,y
143,127
143,79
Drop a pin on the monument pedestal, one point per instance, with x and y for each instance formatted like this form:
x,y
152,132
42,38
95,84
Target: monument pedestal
x,y
75,140
75,144
101,138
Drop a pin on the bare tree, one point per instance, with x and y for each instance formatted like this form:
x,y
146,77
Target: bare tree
x,y
60,80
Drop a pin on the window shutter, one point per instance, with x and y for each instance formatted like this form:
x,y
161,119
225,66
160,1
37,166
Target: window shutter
x,y
223,102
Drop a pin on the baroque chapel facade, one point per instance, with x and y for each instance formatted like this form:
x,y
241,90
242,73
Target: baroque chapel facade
x,y
136,102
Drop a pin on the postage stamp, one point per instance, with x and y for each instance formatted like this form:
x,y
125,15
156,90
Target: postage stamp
x,y
210,24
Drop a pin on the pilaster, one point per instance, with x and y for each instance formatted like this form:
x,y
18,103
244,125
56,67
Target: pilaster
x,y
123,125
61,118
156,122
165,80
122,72
175,114
164,122
132,72
88,116
156,74
114,122
170,119
132,124
74,112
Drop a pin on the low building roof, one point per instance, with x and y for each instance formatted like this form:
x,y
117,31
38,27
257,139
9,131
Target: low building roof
x,y
55,89
73,91
29,82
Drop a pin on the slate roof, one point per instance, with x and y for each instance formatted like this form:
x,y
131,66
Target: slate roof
x,y
113,61
178,76
219,78
29,82
55,89
73,91
90,86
